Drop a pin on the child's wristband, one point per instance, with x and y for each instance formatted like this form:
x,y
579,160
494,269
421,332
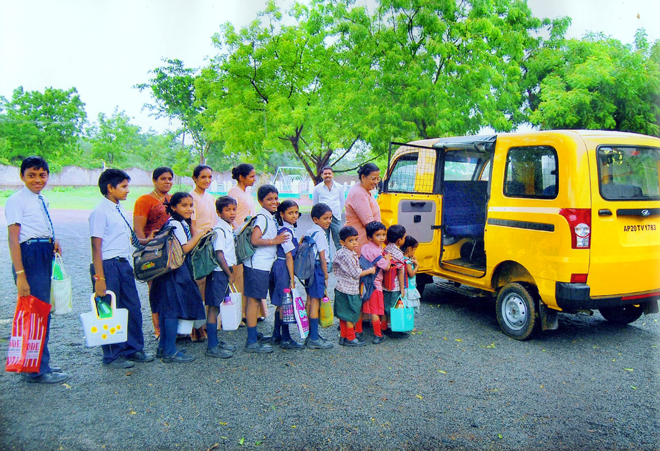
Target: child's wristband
x,y
20,272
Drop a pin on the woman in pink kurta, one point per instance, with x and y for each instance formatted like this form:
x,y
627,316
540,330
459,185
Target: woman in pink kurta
x,y
245,176
361,206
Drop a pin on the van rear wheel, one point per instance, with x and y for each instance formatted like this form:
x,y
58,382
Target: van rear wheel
x,y
517,309
624,314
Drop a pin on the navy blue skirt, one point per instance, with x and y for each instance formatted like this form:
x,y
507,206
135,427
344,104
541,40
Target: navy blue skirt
x,y
316,286
279,280
217,288
178,295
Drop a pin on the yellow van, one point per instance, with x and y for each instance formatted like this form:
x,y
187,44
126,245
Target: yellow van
x,y
553,221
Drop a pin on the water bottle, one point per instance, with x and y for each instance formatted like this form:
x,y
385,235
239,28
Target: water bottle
x,y
288,298
227,300
104,310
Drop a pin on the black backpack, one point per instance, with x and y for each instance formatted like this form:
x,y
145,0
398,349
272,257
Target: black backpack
x,y
305,261
367,282
161,255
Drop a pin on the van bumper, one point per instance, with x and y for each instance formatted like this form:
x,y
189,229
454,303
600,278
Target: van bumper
x,y
577,296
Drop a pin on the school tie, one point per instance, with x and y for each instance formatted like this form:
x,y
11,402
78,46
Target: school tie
x,y
134,238
50,222
187,230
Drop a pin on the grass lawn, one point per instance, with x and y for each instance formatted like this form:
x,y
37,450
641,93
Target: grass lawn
x,y
88,197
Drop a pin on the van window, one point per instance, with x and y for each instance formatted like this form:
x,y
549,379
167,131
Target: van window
x,y
531,172
628,173
403,175
459,165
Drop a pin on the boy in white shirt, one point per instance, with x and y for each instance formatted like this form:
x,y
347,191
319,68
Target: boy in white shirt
x,y
316,285
256,274
31,247
218,282
112,246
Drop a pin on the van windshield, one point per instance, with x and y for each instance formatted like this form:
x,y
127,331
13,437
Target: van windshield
x,y
629,173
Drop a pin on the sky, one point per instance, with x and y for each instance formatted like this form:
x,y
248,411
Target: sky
x,y
105,47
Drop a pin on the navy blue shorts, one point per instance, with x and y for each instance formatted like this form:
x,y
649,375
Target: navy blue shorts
x,y
316,287
255,282
217,287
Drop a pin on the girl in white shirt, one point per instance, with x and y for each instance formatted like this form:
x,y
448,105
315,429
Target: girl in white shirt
x,y
177,291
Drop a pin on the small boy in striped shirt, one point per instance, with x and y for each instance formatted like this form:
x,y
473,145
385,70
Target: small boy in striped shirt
x,y
348,303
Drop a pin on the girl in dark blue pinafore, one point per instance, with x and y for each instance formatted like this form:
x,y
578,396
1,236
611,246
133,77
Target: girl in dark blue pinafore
x,y
177,292
281,275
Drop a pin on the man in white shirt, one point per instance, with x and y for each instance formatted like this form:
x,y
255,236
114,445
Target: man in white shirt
x,y
332,194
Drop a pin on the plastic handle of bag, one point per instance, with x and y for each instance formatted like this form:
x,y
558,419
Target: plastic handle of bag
x,y
60,263
113,302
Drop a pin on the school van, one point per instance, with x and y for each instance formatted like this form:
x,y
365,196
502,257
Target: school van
x,y
546,222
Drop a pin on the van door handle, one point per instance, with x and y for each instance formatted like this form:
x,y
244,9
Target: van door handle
x,y
604,212
417,204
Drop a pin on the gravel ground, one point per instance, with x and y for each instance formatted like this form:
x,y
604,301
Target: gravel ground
x,y
457,383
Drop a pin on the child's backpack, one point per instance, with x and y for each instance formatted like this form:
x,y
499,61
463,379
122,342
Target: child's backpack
x,y
391,275
202,256
367,282
243,241
305,261
161,255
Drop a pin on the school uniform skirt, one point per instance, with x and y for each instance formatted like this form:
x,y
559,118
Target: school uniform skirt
x,y
217,288
347,306
374,305
279,280
316,283
178,295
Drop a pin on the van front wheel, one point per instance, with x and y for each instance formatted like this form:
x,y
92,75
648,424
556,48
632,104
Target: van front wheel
x,y
517,311
624,314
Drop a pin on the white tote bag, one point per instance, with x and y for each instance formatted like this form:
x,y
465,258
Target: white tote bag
x,y
105,331
231,313
60,289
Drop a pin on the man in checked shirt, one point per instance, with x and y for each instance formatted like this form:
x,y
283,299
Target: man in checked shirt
x,y
348,303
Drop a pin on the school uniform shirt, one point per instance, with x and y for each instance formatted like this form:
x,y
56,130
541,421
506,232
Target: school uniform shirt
x,y
204,213
25,209
396,254
225,242
180,228
264,256
370,251
346,268
106,223
321,241
287,246
333,197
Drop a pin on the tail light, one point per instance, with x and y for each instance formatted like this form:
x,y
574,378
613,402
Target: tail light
x,y
579,221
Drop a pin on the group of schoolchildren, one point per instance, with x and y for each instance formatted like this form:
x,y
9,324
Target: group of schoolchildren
x,y
268,272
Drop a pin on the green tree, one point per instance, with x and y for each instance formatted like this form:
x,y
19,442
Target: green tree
x,y
280,85
173,90
600,83
48,124
449,67
113,139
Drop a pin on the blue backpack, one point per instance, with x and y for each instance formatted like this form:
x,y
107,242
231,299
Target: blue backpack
x,y
305,261
367,282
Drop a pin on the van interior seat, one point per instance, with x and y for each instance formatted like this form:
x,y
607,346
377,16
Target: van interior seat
x,y
464,208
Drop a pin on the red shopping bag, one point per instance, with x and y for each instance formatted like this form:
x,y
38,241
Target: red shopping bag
x,y
27,335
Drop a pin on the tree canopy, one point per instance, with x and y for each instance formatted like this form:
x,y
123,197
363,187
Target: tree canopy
x,y
600,83
49,123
